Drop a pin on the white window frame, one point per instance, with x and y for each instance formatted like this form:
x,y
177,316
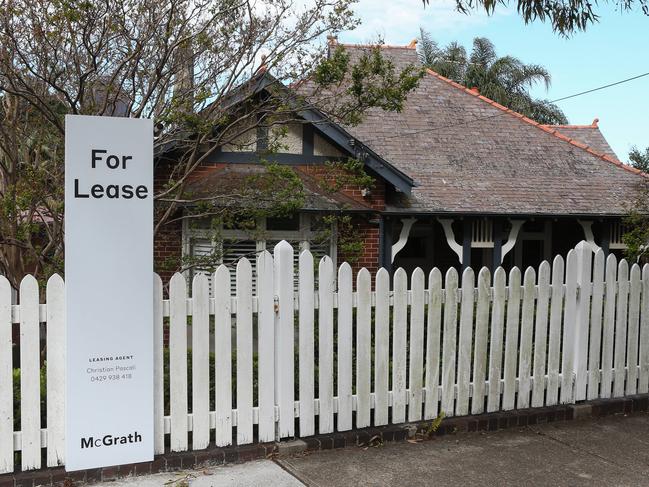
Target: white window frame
x,y
304,235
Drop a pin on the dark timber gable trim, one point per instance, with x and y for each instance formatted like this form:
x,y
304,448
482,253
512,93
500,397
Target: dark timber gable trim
x,y
341,138
265,84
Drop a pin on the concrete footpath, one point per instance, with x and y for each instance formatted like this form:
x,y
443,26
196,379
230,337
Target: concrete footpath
x,y
611,451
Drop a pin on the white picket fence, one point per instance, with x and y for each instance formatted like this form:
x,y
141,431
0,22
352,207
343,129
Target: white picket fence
x,y
387,353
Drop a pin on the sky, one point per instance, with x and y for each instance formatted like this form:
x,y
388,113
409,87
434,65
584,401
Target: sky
x,y
615,48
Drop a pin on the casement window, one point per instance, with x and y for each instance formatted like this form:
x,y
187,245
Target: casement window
x,y
227,245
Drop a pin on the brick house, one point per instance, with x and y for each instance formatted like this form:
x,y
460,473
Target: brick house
x,y
459,180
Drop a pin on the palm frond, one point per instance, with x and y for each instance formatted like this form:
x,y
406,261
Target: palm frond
x,y
427,49
483,53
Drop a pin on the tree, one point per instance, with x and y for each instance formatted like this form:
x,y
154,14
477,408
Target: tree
x,y
565,17
506,80
639,159
636,224
31,191
192,65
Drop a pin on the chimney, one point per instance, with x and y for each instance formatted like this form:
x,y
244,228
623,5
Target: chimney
x,y
332,42
184,78
262,67
108,99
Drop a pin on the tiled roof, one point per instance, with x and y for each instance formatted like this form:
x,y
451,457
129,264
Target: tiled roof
x,y
587,134
468,154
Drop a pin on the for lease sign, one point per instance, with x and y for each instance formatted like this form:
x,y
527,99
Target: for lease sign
x,y
109,291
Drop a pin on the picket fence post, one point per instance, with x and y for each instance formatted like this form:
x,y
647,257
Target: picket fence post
x,y
621,322
284,381
608,328
326,345
6,381
266,336
30,390
582,319
643,382
363,348
569,331
381,347
307,345
178,361
244,351
223,355
55,336
200,362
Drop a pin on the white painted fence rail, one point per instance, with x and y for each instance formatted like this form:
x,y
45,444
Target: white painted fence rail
x,y
346,352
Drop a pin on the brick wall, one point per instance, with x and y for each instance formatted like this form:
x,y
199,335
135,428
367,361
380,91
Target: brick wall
x,y
368,231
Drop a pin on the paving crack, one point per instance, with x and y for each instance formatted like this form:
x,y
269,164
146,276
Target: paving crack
x,y
575,447
285,465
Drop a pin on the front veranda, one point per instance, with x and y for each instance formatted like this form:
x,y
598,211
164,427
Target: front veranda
x,y
469,241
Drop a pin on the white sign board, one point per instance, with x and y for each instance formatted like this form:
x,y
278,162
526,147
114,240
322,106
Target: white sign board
x,y
109,291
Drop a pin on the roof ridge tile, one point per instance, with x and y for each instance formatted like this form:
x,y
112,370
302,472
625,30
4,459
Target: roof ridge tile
x,y
380,46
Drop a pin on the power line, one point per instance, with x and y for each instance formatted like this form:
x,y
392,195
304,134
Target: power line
x,y
428,129
600,87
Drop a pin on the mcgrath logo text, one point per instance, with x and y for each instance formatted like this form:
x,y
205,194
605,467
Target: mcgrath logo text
x,y
110,440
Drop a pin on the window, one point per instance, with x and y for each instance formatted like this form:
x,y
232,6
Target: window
x,y
288,223
302,231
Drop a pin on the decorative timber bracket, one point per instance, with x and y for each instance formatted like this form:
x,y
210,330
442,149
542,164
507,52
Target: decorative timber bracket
x,y
511,240
447,225
587,226
403,236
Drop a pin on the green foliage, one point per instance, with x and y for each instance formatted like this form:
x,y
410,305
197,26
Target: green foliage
x,y
639,159
332,70
277,192
636,224
376,83
434,424
506,80
348,172
565,17
31,191
350,242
